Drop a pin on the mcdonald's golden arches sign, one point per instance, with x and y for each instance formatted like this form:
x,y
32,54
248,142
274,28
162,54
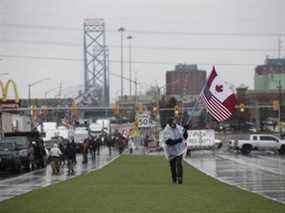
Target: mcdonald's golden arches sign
x,y
5,91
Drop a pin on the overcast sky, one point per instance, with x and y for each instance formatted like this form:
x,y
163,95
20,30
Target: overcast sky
x,y
192,16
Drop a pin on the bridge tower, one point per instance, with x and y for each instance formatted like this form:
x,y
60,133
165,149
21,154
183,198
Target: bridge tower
x,y
96,69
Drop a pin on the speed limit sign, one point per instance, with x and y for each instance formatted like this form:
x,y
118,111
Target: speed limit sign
x,y
144,120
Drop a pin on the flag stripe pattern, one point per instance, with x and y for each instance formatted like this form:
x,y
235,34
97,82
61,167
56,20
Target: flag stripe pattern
x,y
214,106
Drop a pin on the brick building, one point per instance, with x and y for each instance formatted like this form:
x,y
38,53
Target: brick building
x,y
186,79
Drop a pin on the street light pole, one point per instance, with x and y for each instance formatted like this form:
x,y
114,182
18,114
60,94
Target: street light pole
x,y
29,94
1,122
30,89
130,63
280,102
121,30
136,88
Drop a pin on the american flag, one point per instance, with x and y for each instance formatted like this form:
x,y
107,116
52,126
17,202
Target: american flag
x,y
218,98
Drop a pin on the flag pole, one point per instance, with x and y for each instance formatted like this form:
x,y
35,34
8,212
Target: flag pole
x,y
197,101
194,109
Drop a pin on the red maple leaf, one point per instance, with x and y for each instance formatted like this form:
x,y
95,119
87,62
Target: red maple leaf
x,y
219,88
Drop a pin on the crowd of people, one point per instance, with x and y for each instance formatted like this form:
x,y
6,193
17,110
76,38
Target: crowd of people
x,y
60,153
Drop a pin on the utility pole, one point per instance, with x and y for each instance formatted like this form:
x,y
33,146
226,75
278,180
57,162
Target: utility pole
x,y
121,30
136,88
279,46
130,63
280,98
280,102
60,89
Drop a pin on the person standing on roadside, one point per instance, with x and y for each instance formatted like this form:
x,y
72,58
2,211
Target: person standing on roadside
x,y
93,147
85,147
110,144
69,154
98,144
131,145
173,137
55,155
75,148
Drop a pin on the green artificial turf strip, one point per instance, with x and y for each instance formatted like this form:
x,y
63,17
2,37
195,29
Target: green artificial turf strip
x,y
140,184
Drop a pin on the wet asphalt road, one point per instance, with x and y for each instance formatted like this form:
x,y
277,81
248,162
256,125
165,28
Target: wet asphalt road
x,y
18,185
260,172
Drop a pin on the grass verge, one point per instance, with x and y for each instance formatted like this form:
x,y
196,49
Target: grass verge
x,y
140,184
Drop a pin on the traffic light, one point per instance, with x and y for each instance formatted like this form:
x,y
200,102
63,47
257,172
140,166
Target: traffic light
x,y
34,111
115,109
176,110
74,108
140,108
241,107
45,110
155,109
275,105
136,124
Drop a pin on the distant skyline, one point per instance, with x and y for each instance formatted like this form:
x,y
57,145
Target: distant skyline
x,y
51,32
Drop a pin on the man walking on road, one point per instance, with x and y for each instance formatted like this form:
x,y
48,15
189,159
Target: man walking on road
x,y
85,147
93,147
110,144
69,153
55,155
175,147
74,148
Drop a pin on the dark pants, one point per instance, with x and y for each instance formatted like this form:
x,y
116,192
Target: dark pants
x,y
176,169
55,165
70,166
121,149
93,153
74,159
85,157
110,150
98,150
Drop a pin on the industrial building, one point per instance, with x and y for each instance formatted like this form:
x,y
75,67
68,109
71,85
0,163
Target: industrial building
x,y
271,75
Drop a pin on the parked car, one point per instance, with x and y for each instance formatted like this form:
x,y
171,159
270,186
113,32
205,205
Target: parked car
x,y
16,153
259,142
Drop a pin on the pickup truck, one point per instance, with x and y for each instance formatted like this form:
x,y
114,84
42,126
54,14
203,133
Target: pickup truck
x,y
259,142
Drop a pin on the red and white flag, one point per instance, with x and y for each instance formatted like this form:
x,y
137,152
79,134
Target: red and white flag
x,y
218,97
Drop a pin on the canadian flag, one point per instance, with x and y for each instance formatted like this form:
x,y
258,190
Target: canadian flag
x,y
218,97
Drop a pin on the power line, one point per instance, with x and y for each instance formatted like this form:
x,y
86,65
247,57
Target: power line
x,y
40,27
64,59
116,61
145,32
71,44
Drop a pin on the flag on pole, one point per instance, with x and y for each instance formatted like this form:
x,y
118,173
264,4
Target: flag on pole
x,y
218,97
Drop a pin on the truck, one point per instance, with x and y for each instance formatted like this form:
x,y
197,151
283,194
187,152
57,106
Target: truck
x,y
259,142
17,151
80,134
100,125
12,122
49,128
66,133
